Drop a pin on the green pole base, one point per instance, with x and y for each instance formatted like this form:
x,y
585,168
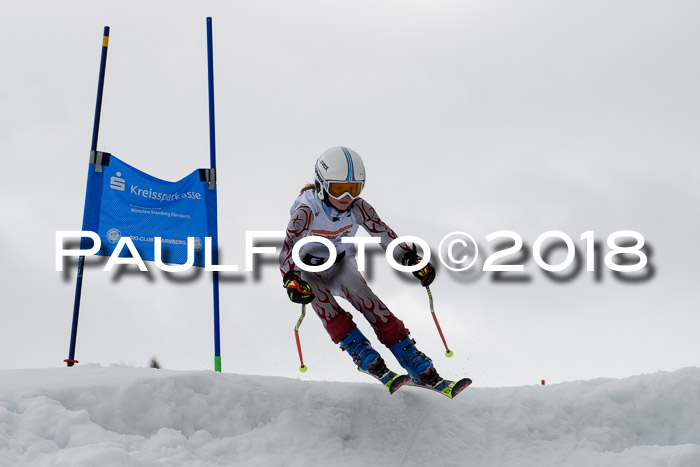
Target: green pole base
x,y
449,354
303,368
217,364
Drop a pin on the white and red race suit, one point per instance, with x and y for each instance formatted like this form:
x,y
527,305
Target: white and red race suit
x,y
309,217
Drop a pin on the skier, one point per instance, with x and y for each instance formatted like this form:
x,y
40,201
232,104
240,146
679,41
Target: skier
x,y
332,208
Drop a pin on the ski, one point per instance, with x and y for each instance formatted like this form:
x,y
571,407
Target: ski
x,y
392,381
445,387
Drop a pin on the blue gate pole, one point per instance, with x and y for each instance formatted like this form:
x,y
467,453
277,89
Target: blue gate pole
x,y
215,239
70,361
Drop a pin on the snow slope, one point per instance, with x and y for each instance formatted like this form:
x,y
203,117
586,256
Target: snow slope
x,y
94,416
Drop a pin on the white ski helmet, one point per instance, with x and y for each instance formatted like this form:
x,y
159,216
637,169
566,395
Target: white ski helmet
x,y
339,172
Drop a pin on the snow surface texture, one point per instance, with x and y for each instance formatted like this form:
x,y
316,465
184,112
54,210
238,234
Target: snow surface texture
x,y
89,415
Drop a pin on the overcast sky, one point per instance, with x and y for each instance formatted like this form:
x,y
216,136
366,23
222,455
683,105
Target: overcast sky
x,y
473,116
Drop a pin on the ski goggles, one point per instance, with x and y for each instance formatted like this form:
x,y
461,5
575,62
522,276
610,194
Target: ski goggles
x,y
338,190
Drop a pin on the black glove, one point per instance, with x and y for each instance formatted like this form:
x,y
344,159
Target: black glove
x,y
426,275
297,289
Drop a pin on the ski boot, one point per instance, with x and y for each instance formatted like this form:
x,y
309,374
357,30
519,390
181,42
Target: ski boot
x,y
369,361
420,368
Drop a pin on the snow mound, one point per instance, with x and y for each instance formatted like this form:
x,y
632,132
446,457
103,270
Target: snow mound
x,y
89,415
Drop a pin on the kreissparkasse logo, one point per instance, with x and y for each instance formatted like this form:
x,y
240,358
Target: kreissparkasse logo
x,y
117,183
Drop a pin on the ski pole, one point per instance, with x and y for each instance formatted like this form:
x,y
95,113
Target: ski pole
x,y
448,352
303,367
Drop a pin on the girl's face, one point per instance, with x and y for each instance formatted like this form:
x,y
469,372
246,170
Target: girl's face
x,y
342,204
